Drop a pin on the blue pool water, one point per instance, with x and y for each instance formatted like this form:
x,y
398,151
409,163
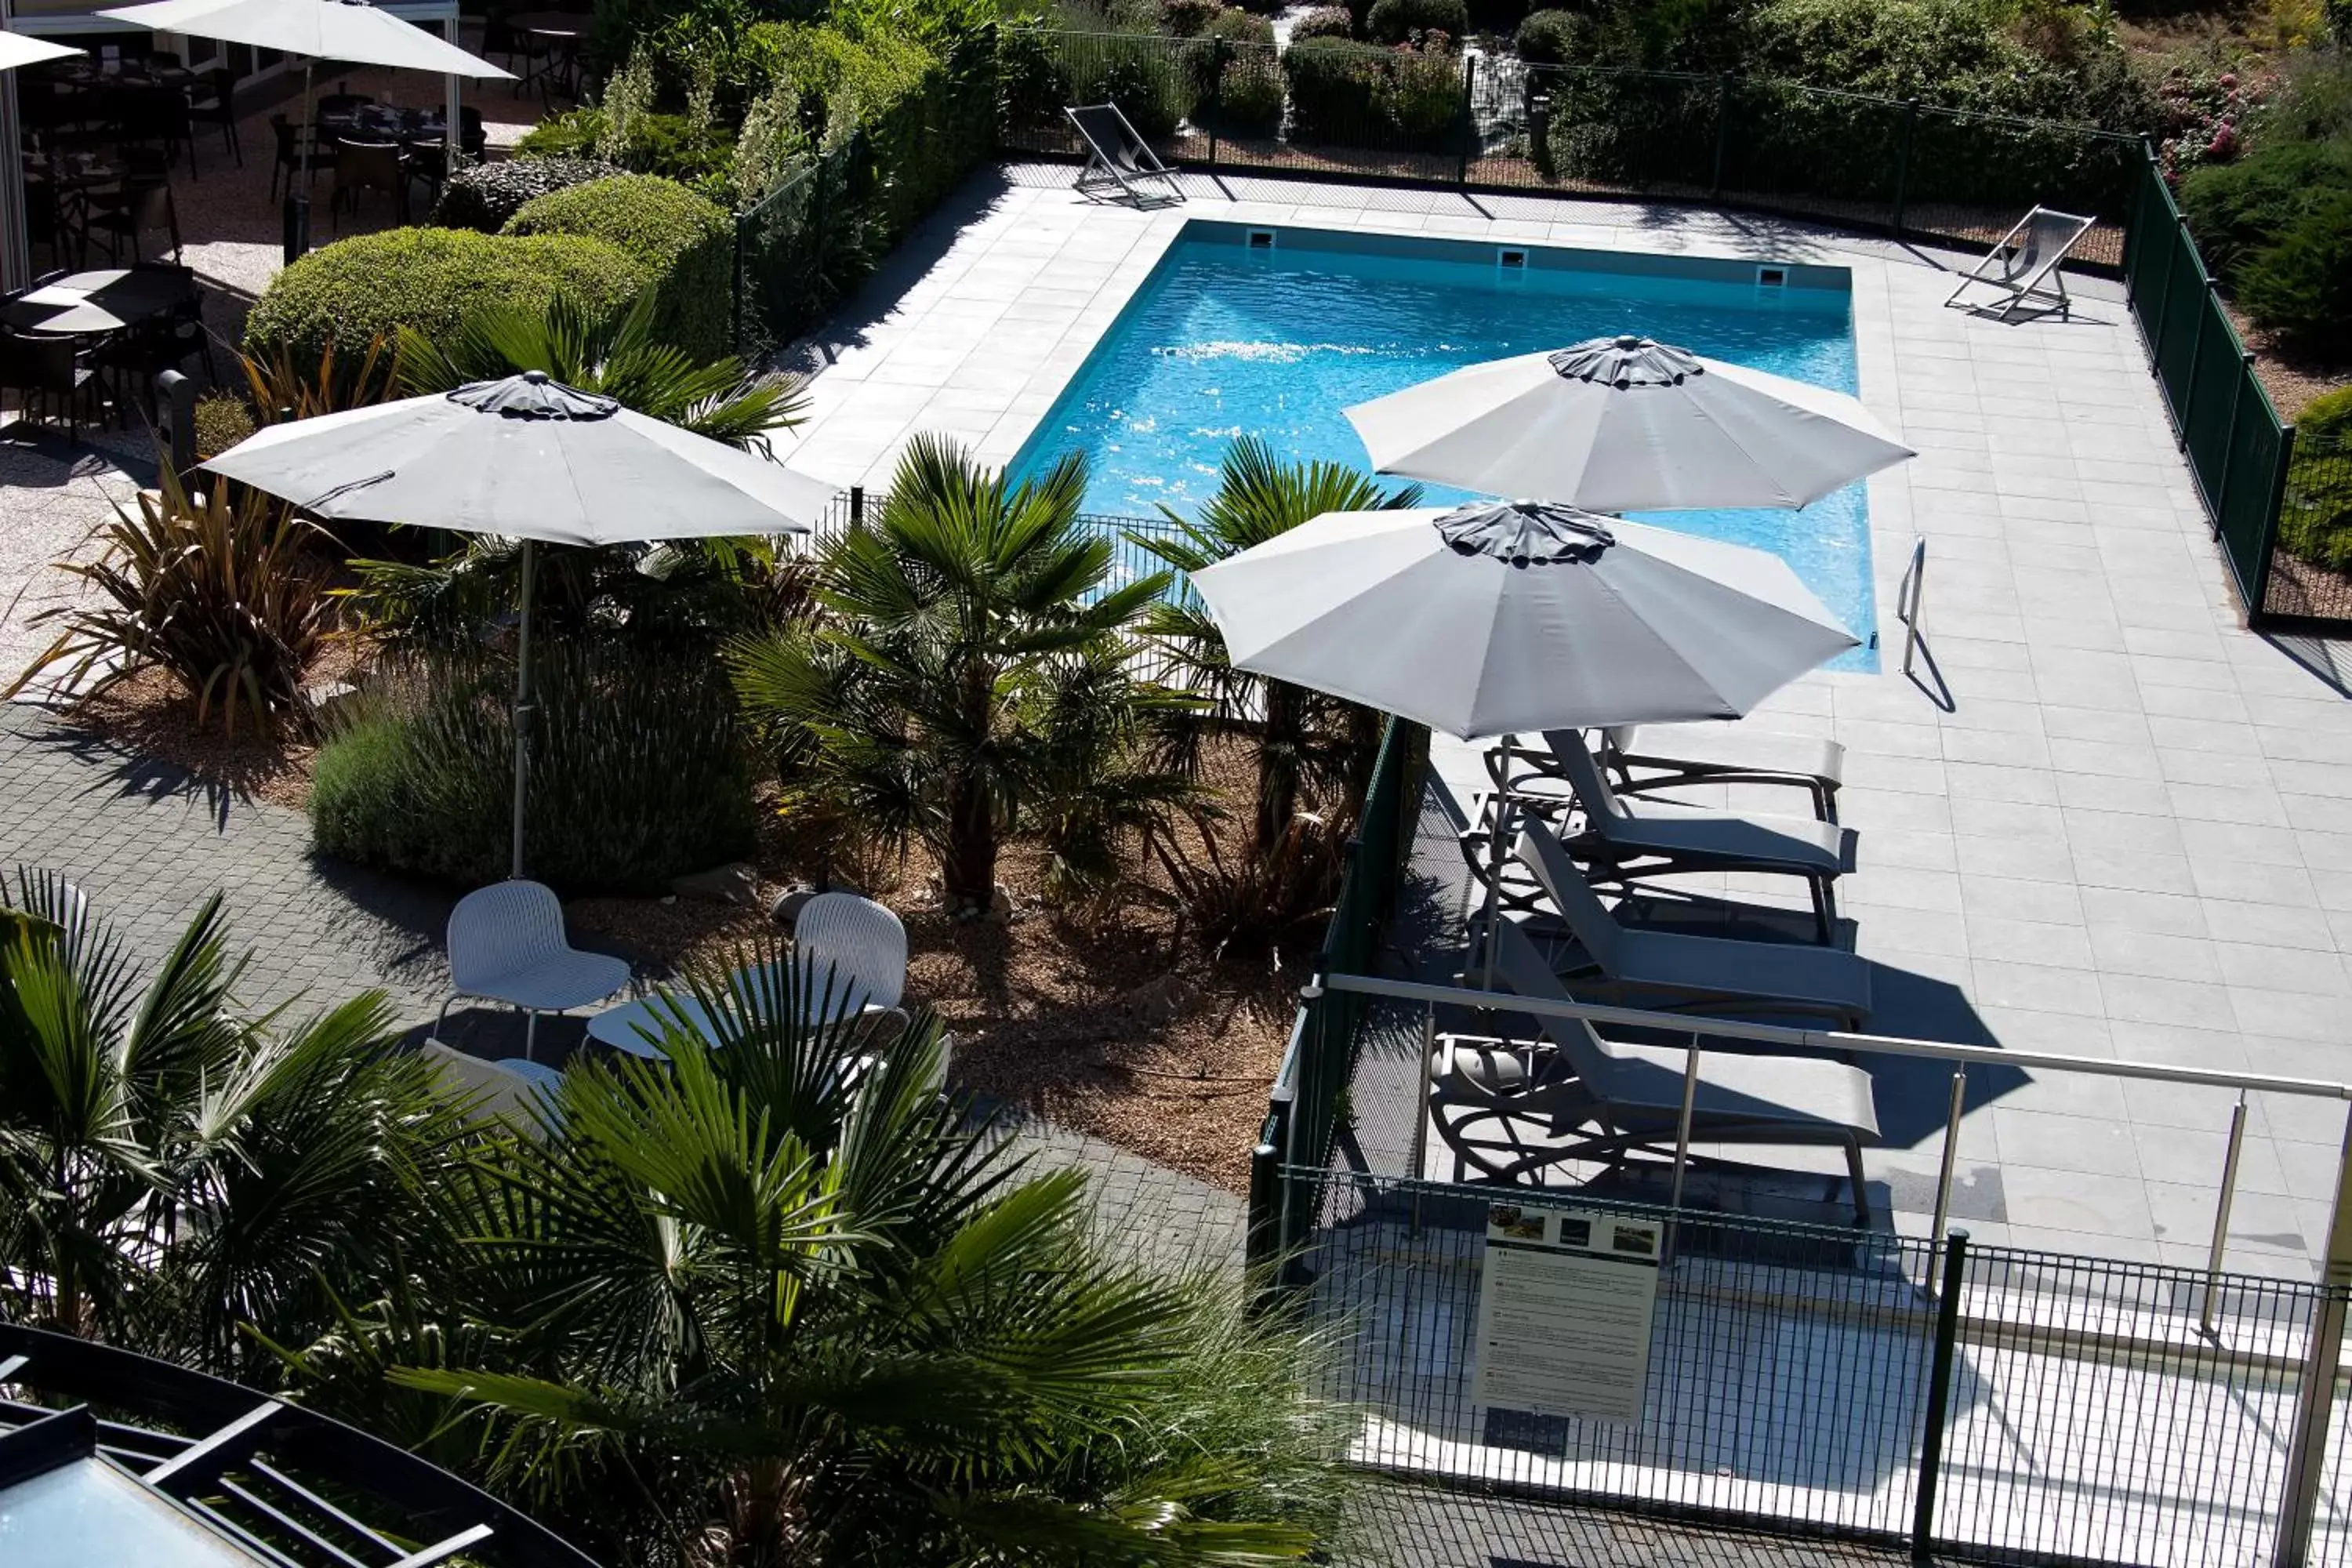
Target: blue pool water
x,y
1225,339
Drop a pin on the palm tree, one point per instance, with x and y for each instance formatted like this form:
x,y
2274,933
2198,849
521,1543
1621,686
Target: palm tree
x,y
619,354
816,1307
688,587
172,1169
1305,742
968,674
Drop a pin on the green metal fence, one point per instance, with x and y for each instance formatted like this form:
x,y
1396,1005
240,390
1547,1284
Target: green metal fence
x,y
1305,1109
1494,123
2237,447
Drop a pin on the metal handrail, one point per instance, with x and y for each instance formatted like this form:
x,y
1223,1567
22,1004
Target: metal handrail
x,y
1961,1057
1910,597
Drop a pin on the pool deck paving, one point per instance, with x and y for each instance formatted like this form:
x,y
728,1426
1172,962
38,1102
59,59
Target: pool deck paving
x,y
2106,820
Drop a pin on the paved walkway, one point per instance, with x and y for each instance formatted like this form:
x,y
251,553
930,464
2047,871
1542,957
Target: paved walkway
x,y
148,844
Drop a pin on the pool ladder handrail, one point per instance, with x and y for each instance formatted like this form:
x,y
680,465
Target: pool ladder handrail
x,y
1910,597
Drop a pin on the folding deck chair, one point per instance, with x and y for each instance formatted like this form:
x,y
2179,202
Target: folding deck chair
x,y
1508,1111
2025,263
1119,160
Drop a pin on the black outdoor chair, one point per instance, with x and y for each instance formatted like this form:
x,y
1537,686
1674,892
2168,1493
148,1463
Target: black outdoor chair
x,y
291,139
219,108
370,166
117,222
157,117
46,374
159,343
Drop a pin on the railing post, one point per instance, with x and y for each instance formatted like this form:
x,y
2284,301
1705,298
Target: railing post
x,y
1939,1398
2273,503
1722,132
2219,1247
1469,120
1903,161
1959,1099
2315,1403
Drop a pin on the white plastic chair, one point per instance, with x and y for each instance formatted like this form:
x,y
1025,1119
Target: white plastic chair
x,y
856,946
506,945
520,1091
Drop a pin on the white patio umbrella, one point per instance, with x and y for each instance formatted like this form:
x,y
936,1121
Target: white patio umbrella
x,y
1627,425
529,458
18,49
353,31
1492,618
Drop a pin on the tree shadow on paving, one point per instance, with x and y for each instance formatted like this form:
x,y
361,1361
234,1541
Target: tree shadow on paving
x,y
130,775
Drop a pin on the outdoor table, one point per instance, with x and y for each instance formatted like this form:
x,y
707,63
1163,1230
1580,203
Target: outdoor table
x,y
382,122
105,300
562,32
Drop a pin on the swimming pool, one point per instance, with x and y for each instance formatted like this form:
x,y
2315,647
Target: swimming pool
x,y
1228,337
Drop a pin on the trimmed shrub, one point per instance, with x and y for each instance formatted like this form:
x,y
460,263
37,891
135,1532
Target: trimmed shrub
x,y
1323,22
2315,522
1552,38
2301,286
638,773
685,244
1347,95
482,196
842,82
1236,25
2238,210
373,284
222,421
1188,18
667,144
1394,21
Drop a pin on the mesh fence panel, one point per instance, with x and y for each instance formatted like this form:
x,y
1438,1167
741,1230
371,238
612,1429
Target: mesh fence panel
x,y
2183,303
2216,380
2311,571
1796,149
2089,1415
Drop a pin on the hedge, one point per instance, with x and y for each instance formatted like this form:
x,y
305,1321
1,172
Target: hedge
x,y
484,196
430,278
1345,94
683,242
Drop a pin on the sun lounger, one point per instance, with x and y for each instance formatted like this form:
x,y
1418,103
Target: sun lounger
x,y
2025,265
1119,160
1649,968
1644,758
1635,838
1506,1111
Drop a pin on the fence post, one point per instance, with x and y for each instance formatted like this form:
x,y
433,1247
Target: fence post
x,y
1939,1397
1903,161
735,304
1722,132
1469,120
2273,503
2230,438
2315,1403
1217,51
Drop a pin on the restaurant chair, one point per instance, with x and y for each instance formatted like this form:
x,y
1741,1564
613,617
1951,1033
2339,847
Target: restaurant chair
x,y
45,373
220,109
159,343
370,166
291,139
473,141
143,205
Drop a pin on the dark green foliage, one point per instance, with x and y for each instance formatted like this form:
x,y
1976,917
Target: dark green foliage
x,y
1323,22
1394,21
2238,210
685,243
484,196
666,144
2301,285
1151,78
1552,38
1188,18
1344,94
1236,25
1249,96
638,774
2315,522
429,279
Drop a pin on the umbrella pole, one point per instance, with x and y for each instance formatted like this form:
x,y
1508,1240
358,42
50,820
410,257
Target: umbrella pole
x,y
297,194
1494,884
522,710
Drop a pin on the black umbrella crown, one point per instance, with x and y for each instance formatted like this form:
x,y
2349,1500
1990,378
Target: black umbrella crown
x,y
533,394
1626,361
1527,532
